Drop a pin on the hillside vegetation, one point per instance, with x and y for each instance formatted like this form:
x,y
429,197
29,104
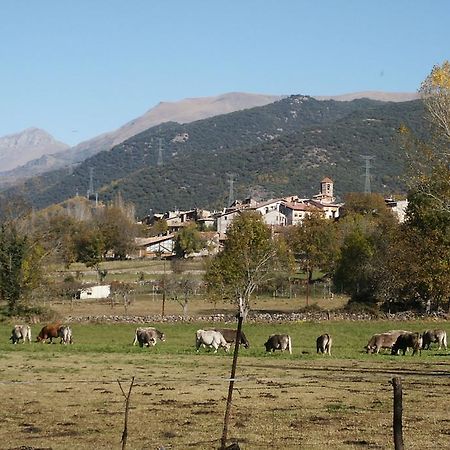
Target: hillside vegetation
x,y
278,149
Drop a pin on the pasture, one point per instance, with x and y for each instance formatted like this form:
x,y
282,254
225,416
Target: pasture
x,y
60,397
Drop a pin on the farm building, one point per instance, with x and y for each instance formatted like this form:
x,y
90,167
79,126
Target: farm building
x,y
94,292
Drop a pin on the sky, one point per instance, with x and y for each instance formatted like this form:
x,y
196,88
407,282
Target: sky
x,y
79,68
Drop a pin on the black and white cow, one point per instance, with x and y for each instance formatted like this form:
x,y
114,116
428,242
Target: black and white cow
x,y
65,334
279,342
148,336
211,338
20,332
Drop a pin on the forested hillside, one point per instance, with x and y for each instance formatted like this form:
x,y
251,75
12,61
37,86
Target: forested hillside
x,y
278,149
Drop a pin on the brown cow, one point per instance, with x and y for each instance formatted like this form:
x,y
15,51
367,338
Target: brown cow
x,y
407,340
49,332
383,340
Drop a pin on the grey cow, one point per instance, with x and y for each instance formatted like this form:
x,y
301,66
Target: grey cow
x,y
434,336
148,336
279,342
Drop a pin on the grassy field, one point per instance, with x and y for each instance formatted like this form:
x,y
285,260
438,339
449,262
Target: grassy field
x,y
63,397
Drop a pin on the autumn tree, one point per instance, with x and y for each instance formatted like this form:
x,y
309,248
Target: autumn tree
x,y
188,240
250,257
428,178
20,266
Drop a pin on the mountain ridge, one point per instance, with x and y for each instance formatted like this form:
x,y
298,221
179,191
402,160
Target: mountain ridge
x,y
182,111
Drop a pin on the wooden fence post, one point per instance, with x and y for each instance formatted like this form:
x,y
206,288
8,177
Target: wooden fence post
x,y
127,408
226,419
398,409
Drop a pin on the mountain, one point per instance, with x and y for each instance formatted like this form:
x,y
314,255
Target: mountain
x,y
32,143
183,111
282,148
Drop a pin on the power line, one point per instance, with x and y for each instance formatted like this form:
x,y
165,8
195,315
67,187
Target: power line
x,y
367,176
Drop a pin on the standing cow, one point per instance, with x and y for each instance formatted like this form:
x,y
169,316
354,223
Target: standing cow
x,y
279,342
407,340
436,336
210,338
20,332
65,333
148,336
230,336
323,344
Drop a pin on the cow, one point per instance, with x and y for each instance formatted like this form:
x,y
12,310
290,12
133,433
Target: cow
x,y
148,336
49,332
279,342
383,340
230,336
405,341
20,332
323,344
438,336
65,333
211,338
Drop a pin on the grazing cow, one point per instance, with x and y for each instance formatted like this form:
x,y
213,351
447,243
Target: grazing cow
x,y
20,332
210,338
230,335
437,336
279,342
323,344
148,336
383,340
49,332
65,333
405,341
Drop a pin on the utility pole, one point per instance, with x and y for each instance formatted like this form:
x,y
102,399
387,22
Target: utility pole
x,y
367,187
231,189
160,161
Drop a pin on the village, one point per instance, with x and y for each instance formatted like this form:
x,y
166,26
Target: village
x,y
276,213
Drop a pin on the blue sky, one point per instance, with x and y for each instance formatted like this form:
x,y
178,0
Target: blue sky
x,y
78,68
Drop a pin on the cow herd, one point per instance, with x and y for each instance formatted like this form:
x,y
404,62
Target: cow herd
x,y
47,334
394,340
401,340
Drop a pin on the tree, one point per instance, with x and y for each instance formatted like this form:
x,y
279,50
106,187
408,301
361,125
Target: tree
x,y
315,245
188,240
435,92
117,229
428,177
250,257
20,267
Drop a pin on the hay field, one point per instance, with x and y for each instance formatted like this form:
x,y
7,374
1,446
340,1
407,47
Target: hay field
x,y
68,397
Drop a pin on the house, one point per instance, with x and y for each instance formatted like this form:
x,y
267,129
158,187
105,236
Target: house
x,y
155,246
398,207
297,212
95,292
